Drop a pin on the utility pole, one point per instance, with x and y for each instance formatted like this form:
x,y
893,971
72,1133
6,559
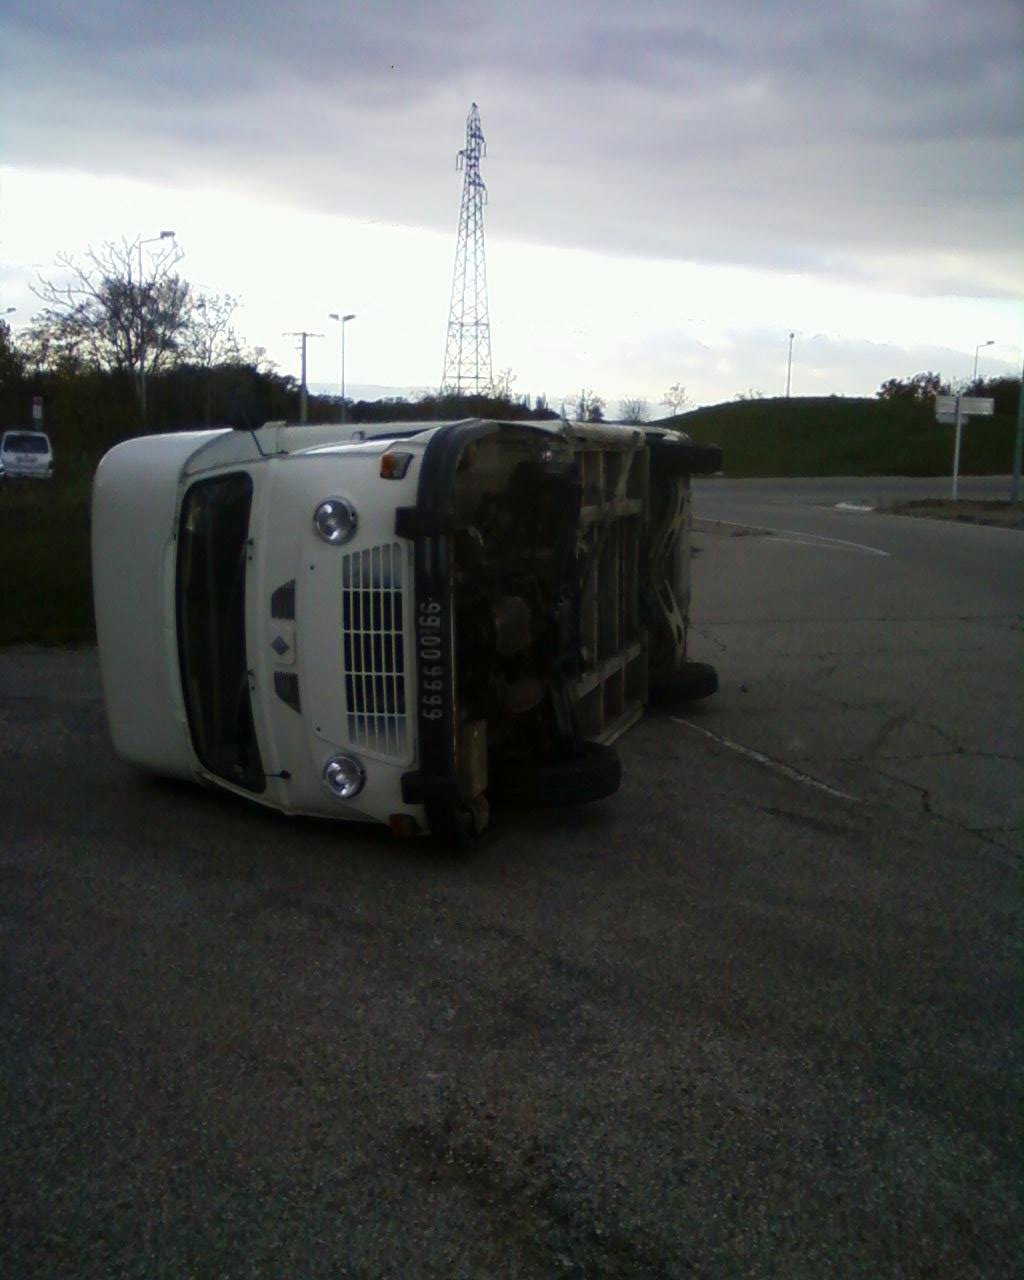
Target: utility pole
x,y
789,365
467,357
303,334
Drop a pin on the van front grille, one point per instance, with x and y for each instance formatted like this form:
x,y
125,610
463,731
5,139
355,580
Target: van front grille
x,y
374,651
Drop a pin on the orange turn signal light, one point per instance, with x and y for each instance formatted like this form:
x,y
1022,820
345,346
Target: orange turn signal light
x,y
393,466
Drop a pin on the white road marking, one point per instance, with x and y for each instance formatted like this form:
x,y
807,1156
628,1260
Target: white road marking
x,y
853,506
794,535
776,766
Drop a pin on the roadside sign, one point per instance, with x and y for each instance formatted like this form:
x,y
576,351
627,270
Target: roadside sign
x,y
970,406
37,409
956,410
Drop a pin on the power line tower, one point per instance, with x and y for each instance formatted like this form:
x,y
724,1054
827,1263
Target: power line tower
x,y
467,357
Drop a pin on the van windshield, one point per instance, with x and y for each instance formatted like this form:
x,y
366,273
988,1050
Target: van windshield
x,y
26,442
213,547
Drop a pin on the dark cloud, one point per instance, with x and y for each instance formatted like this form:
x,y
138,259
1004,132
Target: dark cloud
x,y
818,138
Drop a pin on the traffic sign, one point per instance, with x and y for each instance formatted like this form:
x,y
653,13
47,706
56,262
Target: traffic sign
x,y
957,409
978,406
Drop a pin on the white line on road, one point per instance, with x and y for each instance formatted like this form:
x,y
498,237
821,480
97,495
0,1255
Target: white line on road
x,y
795,535
759,757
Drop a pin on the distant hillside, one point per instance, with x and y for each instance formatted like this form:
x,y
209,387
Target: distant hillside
x,y
845,437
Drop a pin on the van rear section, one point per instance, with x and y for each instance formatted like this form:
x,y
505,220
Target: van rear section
x,y
550,568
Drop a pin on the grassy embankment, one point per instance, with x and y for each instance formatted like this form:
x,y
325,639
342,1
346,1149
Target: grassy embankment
x,y
45,580
834,436
45,573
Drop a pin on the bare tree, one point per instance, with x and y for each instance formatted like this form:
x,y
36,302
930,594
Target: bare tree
x,y
118,309
634,410
501,386
676,398
210,339
589,407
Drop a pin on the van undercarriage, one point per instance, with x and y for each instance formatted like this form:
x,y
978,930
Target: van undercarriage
x,y
559,568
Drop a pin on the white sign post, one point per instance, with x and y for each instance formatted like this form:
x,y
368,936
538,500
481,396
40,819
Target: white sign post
x,y
958,409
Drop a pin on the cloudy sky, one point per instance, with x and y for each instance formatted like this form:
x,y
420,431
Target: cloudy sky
x,y
674,186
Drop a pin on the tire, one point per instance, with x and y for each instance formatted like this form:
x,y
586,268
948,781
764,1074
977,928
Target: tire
x,y
594,774
695,680
684,457
459,825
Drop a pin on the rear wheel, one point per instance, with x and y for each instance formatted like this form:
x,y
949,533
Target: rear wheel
x,y
593,774
684,457
694,680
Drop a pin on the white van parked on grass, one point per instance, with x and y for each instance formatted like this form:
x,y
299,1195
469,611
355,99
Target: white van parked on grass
x,y
396,623
26,455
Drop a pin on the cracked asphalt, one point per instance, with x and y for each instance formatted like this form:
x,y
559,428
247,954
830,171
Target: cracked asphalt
x,y
878,652
757,1015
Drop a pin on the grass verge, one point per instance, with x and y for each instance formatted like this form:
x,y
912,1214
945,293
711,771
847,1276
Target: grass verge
x,y
46,574
834,436
1006,515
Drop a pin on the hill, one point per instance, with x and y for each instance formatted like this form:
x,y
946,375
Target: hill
x,y
835,436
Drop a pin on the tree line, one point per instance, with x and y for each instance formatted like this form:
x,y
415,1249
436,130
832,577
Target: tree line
x,y
1004,392
123,344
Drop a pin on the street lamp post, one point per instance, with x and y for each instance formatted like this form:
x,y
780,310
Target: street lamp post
x,y
164,235
343,321
789,365
991,342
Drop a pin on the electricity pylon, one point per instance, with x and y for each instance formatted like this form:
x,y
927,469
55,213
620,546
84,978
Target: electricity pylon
x,y
467,357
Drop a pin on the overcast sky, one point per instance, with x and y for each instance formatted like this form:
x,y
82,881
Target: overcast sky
x,y
674,187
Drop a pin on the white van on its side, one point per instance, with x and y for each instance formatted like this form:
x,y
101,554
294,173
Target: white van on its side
x,y
26,455
399,623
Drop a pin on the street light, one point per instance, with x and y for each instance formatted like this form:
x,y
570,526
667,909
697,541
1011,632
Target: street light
x,y
991,342
343,321
789,365
164,235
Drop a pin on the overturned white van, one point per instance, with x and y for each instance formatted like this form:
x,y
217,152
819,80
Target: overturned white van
x,y
398,623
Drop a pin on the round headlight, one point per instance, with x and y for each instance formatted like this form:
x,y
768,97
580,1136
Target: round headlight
x,y
335,520
345,776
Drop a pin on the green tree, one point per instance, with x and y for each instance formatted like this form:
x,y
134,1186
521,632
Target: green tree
x,y
118,309
1004,392
12,360
922,386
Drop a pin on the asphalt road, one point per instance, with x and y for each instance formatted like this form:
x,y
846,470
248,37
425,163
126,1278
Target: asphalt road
x,y
882,653
758,1015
